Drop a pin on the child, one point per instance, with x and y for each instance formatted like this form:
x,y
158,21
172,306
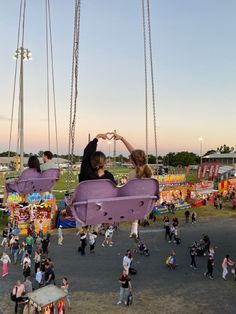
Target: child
x,y
5,259
108,236
171,261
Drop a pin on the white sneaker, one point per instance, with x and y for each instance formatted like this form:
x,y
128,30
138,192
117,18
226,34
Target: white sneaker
x,y
103,245
119,302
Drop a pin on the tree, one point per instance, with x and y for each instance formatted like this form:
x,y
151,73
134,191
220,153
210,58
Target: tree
x,y
225,149
180,158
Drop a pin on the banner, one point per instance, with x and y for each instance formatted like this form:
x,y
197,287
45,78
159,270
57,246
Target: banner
x,y
204,169
211,171
199,171
216,170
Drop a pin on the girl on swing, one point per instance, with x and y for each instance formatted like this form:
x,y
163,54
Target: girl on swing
x,y
94,162
141,170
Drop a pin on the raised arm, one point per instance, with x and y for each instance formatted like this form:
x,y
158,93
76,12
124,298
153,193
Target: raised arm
x,y
118,137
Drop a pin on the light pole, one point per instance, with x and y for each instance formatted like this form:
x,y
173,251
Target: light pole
x,y
109,146
22,54
200,141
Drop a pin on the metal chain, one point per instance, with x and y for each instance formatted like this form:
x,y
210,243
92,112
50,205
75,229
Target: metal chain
x,y
152,80
53,77
47,71
74,93
145,74
14,85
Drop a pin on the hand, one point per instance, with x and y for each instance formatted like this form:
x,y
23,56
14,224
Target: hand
x,y
117,137
101,135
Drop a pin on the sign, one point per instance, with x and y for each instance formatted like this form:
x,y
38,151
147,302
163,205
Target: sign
x,y
171,179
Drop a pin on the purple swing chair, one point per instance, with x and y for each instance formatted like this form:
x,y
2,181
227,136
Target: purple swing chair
x,y
99,201
31,182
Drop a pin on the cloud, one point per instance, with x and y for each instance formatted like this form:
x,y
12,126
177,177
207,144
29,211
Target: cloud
x,y
3,118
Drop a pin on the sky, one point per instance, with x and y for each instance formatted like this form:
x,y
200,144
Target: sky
x,y
194,63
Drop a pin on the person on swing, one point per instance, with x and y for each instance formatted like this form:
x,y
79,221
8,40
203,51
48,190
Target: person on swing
x,y
141,170
94,162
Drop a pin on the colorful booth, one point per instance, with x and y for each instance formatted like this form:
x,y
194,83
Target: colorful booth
x,y
36,208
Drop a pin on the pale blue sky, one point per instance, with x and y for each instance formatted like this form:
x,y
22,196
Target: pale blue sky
x,y
194,55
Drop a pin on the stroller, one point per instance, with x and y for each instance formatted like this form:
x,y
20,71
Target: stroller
x,y
142,249
201,247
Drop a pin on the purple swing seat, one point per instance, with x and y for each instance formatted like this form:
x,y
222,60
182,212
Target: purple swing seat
x,y
30,182
99,201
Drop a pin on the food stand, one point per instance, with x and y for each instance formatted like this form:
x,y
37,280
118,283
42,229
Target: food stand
x,y
46,300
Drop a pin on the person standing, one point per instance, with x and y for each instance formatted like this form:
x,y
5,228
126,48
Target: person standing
x,y
194,217
37,260
18,291
49,275
187,214
60,235
92,236
65,288
28,285
83,243
5,259
193,254
26,270
226,262
29,244
127,260
210,264
15,249
45,244
125,288
4,237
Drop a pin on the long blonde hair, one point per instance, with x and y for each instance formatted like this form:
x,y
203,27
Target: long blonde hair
x,y
139,159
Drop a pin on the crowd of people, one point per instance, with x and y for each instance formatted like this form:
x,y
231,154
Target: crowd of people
x,y
33,252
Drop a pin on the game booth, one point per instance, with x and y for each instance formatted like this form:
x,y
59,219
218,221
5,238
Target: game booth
x,y
37,209
30,204
173,193
200,194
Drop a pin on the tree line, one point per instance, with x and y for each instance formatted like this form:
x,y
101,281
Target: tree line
x,y
173,159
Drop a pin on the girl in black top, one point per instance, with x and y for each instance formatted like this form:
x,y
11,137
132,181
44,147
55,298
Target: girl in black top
x,y
93,162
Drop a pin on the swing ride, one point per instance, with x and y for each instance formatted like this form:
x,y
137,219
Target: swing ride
x,y
96,201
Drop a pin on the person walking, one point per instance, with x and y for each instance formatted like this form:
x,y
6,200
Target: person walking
x,y
60,235
210,264
29,244
125,288
17,294
226,262
5,259
49,275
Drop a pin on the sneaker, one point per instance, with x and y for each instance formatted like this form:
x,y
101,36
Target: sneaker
x,y
103,244
211,277
205,274
119,302
190,265
110,245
